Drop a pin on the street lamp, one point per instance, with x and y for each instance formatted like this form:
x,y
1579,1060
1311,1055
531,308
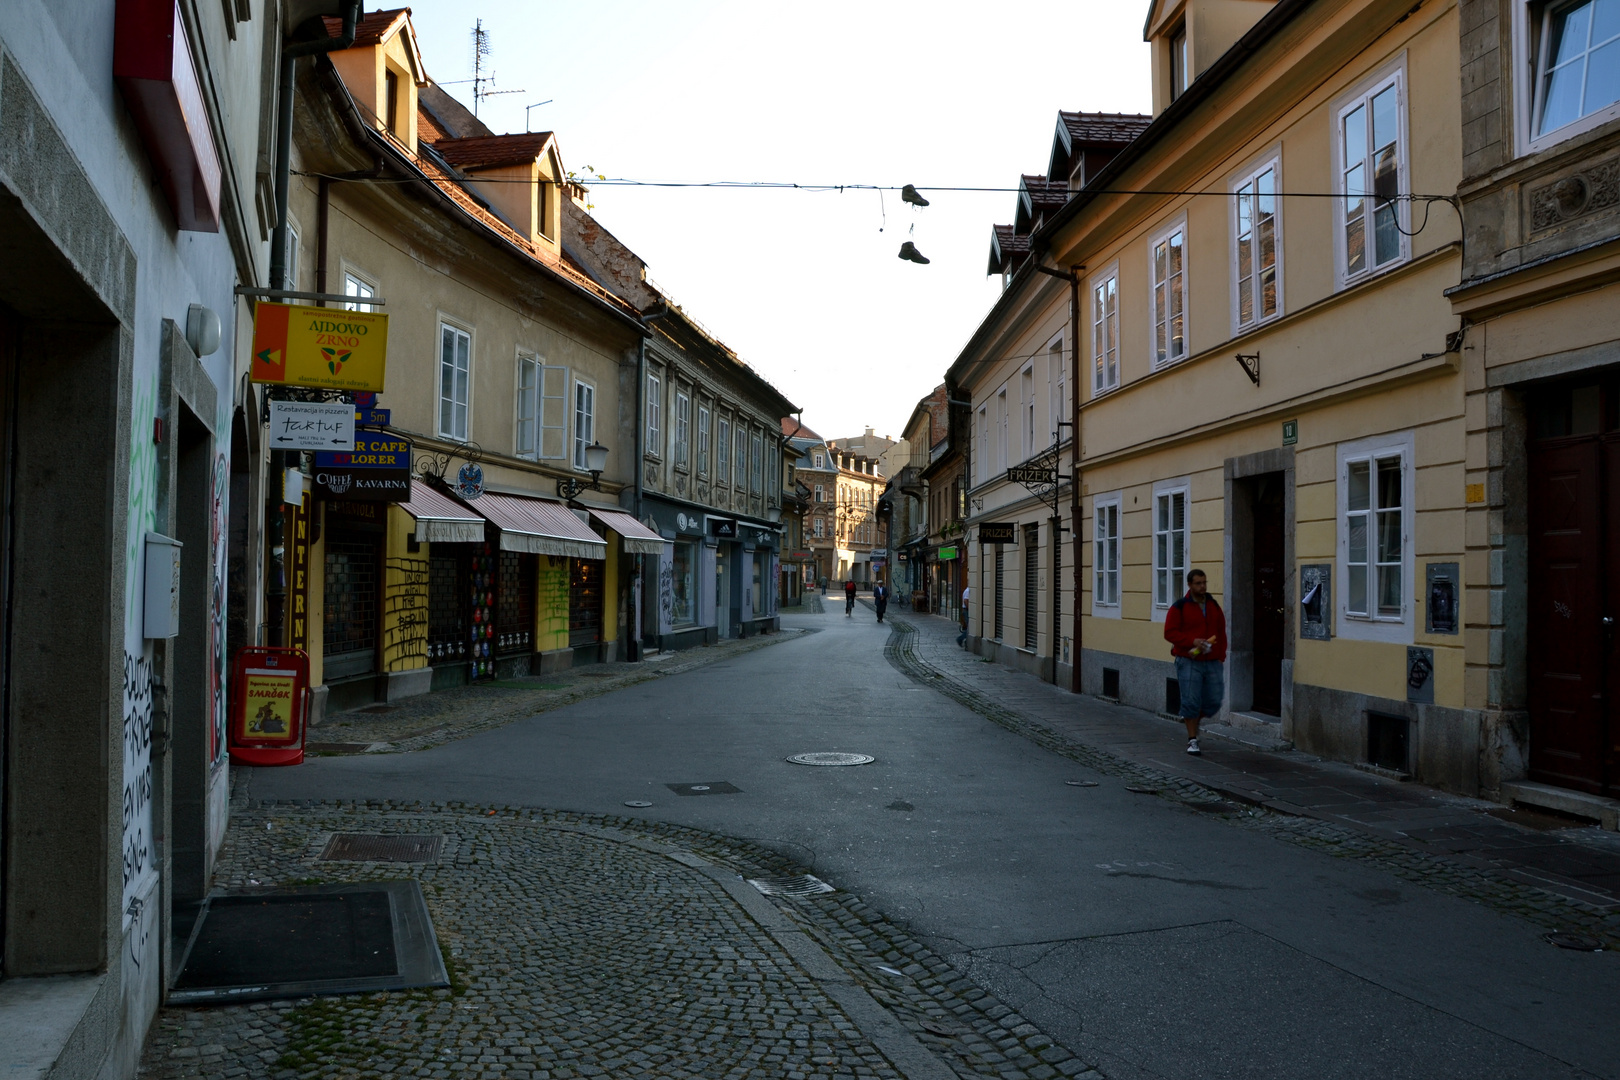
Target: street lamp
x,y
595,461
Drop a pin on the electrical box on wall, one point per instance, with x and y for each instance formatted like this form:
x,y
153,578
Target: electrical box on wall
x,y
162,586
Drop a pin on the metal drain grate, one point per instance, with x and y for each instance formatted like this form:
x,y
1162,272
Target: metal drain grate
x,y
377,847
798,885
830,758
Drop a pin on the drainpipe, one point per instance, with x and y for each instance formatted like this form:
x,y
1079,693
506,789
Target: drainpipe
x,y
1072,276
284,123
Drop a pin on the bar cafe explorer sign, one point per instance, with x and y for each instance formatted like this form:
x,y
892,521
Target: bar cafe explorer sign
x,y
328,348
377,470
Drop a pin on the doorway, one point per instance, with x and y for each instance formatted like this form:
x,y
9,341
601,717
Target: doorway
x,y
1266,594
722,593
1259,560
1574,586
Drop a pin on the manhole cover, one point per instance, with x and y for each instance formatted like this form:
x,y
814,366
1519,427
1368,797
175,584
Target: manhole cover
x,y
638,803
798,885
713,787
1578,942
831,758
375,847
1081,783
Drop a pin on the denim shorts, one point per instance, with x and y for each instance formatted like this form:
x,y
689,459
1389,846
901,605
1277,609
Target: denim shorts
x,y
1203,686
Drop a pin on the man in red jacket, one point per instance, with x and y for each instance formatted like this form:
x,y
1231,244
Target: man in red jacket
x,y
1195,627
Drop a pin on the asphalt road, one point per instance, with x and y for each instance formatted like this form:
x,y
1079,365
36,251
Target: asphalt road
x,y
1148,938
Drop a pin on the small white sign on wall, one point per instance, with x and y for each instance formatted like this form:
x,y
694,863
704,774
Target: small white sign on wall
x,y
162,619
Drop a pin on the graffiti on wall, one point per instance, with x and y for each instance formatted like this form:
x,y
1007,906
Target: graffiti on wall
x,y
405,613
137,773
218,507
666,595
553,597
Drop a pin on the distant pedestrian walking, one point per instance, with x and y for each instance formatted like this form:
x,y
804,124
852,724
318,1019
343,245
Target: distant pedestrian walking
x,y
880,599
961,639
849,597
1195,627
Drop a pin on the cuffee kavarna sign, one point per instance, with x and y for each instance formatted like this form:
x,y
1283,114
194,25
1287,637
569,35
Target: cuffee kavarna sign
x,y
295,345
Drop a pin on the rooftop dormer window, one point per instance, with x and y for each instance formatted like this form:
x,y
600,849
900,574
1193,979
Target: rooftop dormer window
x,y
1180,66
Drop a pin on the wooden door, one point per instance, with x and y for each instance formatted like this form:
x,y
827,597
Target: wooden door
x,y
1268,608
1568,729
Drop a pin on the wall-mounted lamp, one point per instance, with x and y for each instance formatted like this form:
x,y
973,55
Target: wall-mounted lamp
x,y
595,461
202,330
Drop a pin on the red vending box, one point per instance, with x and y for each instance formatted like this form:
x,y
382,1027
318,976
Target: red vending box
x,y
269,706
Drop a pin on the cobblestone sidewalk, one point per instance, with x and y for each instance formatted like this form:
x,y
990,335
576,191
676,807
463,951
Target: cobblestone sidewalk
x,y
602,947
416,723
1498,864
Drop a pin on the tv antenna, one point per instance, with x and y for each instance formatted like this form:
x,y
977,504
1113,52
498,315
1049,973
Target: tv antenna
x,y
480,58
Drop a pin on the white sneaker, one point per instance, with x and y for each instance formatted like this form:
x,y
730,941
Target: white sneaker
x,y
1192,747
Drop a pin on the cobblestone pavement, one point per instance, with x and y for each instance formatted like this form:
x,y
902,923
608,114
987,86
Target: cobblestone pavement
x,y
583,946
416,723
1443,842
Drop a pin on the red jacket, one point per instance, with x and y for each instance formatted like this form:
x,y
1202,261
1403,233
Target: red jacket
x,y
1185,623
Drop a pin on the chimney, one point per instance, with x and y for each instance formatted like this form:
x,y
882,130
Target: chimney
x,y
869,431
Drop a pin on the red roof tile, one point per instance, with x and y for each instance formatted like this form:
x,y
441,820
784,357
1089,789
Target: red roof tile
x,y
374,27
1102,129
493,151
1007,248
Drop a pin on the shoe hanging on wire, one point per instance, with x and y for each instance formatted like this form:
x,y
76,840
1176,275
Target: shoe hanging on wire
x,y
909,252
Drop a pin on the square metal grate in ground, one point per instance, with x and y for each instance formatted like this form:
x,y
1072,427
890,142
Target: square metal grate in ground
x,y
711,787
267,943
383,847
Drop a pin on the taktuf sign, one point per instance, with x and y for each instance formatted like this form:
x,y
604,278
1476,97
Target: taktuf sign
x,y
330,348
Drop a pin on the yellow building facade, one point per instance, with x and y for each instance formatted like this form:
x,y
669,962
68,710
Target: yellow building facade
x,y
509,371
1271,384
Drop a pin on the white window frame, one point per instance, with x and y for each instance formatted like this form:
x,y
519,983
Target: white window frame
x,y
1244,182
1057,388
739,456
1110,502
683,429
1100,381
465,404
1161,490
293,234
820,528
1026,406
1163,236
722,449
584,420
527,411
360,285
654,409
821,493
1001,432
705,430
756,460
1528,46
1392,73
982,458
820,460
1371,626
1180,62
555,410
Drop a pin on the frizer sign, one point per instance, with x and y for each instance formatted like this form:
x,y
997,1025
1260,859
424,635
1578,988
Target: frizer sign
x,y
294,345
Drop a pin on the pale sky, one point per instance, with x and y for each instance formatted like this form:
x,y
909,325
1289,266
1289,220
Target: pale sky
x,y
802,284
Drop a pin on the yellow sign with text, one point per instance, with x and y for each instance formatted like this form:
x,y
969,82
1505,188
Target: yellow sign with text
x,y
269,714
294,345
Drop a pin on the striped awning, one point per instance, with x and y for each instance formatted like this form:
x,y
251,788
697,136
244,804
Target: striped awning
x,y
541,526
638,539
440,519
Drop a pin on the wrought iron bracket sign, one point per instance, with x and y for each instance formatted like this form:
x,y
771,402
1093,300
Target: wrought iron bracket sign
x,y
1250,363
1032,475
